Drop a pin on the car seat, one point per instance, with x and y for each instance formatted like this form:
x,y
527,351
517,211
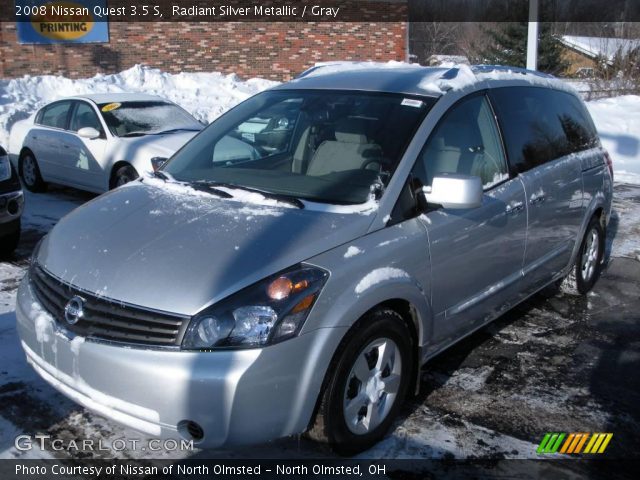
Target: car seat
x,y
351,150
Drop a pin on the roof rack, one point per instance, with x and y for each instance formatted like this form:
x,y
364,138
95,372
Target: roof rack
x,y
507,69
323,65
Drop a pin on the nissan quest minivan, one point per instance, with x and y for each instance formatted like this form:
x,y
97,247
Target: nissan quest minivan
x,y
372,218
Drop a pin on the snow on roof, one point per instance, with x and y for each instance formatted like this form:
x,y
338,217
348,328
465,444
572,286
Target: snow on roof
x,y
436,60
119,97
411,78
600,46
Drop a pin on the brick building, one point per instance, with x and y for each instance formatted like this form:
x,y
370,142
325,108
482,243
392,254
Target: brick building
x,y
270,50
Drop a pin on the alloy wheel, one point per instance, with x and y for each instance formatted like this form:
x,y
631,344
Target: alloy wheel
x,y
590,255
29,170
372,386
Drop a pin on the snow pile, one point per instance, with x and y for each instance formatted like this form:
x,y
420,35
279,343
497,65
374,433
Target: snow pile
x,y
205,95
618,123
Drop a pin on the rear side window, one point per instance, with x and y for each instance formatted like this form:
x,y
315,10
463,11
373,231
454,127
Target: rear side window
x,y
55,115
541,124
577,124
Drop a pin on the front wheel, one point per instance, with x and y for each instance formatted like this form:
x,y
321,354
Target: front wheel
x,y
123,175
368,384
588,266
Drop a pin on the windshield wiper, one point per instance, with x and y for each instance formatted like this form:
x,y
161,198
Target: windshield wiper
x,y
161,175
200,186
135,134
172,130
140,133
281,197
207,187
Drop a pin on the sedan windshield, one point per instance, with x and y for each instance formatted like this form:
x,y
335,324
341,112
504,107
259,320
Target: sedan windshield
x,y
324,146
130,119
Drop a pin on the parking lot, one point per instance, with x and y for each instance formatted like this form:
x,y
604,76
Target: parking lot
x,y
556,363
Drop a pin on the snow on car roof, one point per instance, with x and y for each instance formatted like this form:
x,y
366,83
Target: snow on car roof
x,y
400,77
119,97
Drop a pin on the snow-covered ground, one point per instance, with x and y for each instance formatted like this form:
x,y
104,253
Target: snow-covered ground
x,y
618,122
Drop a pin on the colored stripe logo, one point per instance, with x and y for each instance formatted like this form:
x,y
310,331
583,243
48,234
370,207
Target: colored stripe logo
x,y
574,443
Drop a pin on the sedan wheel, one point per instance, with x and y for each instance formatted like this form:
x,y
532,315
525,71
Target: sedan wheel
x,y
30,173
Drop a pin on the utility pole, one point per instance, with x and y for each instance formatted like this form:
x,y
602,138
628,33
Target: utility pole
x,y
532,40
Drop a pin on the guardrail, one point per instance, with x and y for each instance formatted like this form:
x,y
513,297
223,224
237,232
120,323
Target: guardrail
x,y
601,91
588,95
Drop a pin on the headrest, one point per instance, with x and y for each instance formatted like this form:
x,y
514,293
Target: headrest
x,y
351,130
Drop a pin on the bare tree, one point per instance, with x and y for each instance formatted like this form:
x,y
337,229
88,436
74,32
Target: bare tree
x,y
433,38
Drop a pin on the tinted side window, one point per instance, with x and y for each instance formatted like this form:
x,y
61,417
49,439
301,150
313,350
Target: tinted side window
x,y
55,115
534,124
576,122
84,116
466,141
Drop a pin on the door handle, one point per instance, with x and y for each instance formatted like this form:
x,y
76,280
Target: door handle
x,y
514,208
537,198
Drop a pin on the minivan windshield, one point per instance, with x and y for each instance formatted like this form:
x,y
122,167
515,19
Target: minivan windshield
x,y
133,119
319,145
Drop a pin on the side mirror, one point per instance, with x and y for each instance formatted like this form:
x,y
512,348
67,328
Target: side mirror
x,y
88,132
454,191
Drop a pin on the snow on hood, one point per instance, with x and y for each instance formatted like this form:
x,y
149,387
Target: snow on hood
x,y
149,146
174,251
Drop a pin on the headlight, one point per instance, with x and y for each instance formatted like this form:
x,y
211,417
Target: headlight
x,y
157,162
5,166
267,312
36,250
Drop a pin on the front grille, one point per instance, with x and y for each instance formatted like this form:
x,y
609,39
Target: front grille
x,y
104,318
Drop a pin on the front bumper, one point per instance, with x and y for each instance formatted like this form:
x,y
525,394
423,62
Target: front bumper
x,y
236,396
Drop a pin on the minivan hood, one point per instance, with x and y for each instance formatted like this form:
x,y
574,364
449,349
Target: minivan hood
x,y
165,249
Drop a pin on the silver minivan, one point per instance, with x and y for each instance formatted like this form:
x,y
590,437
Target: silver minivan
x,y
374,217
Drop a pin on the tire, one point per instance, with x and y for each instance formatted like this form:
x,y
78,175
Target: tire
x,y
30,173
588,265
355,394
122,175
9,242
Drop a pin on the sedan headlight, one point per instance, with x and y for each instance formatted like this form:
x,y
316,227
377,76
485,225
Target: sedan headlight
x,y
267,312
157,162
